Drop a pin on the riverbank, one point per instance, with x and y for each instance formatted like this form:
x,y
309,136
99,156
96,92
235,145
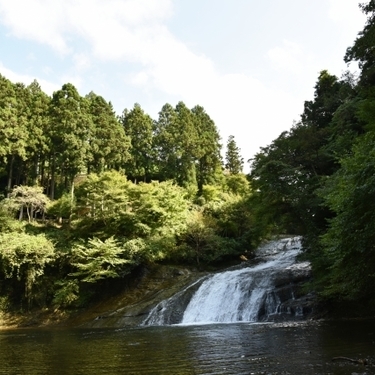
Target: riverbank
x,y
152,283
128,302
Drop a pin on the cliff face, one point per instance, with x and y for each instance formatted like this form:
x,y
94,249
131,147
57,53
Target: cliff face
x,y
131,307
131,301
135,299
268,288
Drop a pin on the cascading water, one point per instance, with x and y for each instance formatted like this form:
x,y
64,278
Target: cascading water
x,y
236,295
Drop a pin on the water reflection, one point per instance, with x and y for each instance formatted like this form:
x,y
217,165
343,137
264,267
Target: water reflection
x,y
297,348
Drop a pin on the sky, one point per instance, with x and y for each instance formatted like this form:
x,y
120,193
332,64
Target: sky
x,y
251,64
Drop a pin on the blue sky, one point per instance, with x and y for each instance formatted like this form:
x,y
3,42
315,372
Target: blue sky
x,y
250,64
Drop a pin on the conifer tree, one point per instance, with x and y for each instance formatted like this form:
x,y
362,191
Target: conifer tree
x,y
234,161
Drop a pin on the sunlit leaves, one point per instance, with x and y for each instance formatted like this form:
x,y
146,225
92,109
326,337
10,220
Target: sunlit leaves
x,y
25,257
30,198
97,260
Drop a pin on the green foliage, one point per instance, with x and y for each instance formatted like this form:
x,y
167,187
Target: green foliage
x,y
139,126
62,207
68,132
159,207
8,223
233,159
238,184
4,304
30,198
187,146
349,242
109,204
67,292
97,260
311,180
363,48
109,145
24,256
211,193
207,152
287,174
201,241
102,205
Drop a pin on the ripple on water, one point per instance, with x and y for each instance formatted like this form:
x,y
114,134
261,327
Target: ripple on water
x,y
304,348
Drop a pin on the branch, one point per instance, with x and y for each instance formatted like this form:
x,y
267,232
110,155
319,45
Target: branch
x,y
357,361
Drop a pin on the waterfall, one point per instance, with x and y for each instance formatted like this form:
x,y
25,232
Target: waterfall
x,y
242,294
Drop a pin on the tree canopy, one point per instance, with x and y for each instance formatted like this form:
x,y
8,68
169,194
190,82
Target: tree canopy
x,y
126,191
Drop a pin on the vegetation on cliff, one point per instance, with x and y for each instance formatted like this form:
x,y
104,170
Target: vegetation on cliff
x,y
89,197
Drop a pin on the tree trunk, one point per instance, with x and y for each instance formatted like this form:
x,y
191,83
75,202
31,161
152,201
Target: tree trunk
x,y
52,186
10,175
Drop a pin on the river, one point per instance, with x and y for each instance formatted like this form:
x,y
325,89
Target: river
x,y
237,348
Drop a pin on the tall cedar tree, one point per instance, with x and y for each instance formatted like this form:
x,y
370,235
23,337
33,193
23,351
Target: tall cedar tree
x,y
138,126
234,161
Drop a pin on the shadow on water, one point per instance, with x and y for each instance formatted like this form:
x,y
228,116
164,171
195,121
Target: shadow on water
x,y
241,348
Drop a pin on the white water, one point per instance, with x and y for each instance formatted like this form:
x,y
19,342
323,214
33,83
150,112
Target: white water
x,y
235,295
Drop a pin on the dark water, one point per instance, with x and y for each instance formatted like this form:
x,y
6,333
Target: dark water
x,y
293,348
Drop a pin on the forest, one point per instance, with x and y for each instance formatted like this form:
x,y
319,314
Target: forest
x,y
90,197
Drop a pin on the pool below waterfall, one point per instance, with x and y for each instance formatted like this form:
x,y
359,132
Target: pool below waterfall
x,y
305,348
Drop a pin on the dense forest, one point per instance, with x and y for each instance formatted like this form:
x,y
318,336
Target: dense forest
x,y
318,178
90,197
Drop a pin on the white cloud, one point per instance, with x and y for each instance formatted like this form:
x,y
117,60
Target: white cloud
x,y
290,57
47,86
75,79
81,61
31,57
345,11
347,14
41,21
114,28
134,31
253,113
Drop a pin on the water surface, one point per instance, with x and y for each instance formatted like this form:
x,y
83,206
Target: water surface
x,y
241,348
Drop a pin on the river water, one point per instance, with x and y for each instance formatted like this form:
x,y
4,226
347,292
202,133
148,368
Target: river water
x,y
237,348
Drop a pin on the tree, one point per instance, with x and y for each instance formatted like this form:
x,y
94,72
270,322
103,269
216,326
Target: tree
x,y
363,48
25,256
345,266
176,139
68,134
62,207
97,260
200,241
159,208
348,244
234,161
238,184
33,105
287,174
13,131
138,126
103,205
208,159
363,52
108,144
163,143
31,198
